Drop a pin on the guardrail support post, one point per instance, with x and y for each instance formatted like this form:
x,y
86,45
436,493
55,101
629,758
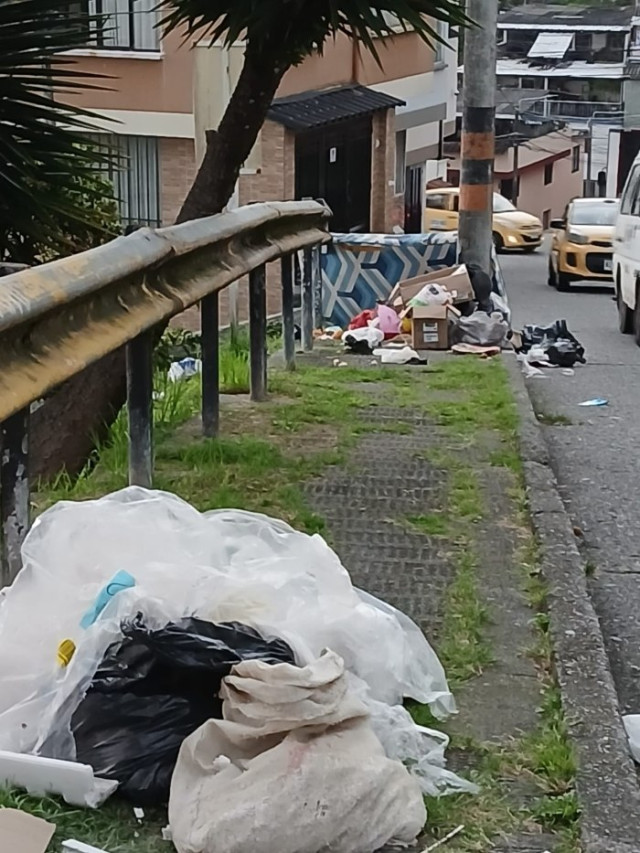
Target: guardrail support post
x,y
14,493
307,301
210,330
318,320
288,324
140,409
258,333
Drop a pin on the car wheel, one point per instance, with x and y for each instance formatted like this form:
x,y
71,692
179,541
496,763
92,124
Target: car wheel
x,y
626,320
498,242
553,275
564,282
636,316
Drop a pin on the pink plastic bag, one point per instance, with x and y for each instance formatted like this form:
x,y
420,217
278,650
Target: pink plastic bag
x,y
389,321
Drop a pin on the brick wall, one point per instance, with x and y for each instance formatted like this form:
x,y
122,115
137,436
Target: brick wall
x,y
177,170
275,178
387,208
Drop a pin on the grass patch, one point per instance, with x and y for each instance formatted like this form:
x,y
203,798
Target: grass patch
x,y
431,525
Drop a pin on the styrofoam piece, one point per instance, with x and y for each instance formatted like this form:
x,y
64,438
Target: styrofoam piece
x,y
81,847
75,783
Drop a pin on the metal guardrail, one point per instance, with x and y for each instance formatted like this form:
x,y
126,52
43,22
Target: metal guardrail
x,y
552,108
58,318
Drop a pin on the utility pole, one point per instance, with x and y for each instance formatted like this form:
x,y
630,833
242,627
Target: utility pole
x,y
478,133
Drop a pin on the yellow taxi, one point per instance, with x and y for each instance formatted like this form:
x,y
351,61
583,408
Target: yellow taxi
x,y
512,228
582,245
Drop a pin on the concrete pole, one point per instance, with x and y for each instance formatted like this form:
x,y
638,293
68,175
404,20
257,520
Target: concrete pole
x,y
478,134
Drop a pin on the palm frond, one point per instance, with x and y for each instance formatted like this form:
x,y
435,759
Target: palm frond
x,y
43,142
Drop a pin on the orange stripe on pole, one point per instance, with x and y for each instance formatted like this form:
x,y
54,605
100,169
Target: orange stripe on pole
x,y
476,197
478,146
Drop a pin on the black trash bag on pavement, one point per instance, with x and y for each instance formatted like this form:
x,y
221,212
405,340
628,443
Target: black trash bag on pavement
x,y
151,691
561,347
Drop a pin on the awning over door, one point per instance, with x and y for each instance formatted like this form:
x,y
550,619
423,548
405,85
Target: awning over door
x,y
315,109
551,46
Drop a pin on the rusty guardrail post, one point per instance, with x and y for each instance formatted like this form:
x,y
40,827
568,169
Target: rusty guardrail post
x,y
288,324
318,320
210,332
258,334
140,409
307,301
14,493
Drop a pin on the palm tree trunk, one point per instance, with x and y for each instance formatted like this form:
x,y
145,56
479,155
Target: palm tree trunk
x,y
84,406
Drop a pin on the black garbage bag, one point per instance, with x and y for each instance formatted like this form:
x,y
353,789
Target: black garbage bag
x,y
561,347
152,690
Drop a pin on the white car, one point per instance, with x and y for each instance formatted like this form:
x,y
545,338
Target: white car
x,y
626,255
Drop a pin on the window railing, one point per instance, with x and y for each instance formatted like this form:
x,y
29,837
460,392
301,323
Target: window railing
x,y
120,24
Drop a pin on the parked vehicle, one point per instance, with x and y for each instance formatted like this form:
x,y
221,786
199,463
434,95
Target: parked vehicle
x,y
512,228
626,255
582,246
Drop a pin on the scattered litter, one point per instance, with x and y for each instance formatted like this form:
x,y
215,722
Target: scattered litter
x,y
138,813
474,349
482,329
598,401
406,355
363,341
23,833
39,776
184,369
269,713
158,395
342,364
154,688
80,847
568,371
446,839
529,369
167,835
555,342
631,724
336,362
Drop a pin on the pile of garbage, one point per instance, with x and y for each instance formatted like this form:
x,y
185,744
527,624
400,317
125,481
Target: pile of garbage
x,y
541,347
220,663
452,308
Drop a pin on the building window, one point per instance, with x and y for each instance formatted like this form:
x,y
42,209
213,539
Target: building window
x,y
576,158
135,177
548,174
401,161
442,29
121,24
546,219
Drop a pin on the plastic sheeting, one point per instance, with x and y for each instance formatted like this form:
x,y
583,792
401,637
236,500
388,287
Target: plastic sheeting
x,y
221,566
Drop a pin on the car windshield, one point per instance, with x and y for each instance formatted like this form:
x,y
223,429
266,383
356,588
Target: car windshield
x,y
598,213
501,204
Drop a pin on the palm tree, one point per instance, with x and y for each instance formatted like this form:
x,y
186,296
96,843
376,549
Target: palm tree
x,y
279,34
48,178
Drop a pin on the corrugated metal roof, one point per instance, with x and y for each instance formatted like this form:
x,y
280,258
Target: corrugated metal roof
x,y
569,17
317,109
551,46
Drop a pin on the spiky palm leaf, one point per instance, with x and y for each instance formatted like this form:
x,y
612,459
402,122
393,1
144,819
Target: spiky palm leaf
x,y
301,26
44,154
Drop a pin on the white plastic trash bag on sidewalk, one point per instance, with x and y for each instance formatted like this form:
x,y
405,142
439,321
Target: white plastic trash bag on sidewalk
x,y
220,566
294,767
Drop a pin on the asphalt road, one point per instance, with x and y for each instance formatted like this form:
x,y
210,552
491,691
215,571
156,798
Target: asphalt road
x,y
597,455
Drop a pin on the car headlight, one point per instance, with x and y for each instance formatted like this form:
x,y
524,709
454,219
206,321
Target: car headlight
x,y
578,239
511,239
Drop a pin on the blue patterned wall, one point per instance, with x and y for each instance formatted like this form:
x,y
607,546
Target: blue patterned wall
x,y
359,270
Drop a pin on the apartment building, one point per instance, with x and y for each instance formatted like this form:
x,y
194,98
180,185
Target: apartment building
x,y
566,63
364,138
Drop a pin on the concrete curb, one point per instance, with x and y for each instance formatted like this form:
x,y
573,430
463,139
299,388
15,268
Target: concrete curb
x,y
607,784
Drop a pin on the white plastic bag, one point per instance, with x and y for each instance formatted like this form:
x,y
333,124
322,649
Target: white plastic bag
x,y
220,566
432,294
294,767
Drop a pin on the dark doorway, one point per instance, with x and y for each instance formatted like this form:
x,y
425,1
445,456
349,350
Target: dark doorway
x,y
334,163
629,149
413,200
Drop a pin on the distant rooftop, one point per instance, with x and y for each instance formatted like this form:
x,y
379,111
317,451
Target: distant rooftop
x,y
568,17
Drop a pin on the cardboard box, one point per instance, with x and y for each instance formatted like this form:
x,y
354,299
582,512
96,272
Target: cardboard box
x,y
430,326
23,833
455,279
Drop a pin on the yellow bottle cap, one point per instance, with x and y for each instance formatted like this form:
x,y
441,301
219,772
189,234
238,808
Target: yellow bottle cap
x,y
66,651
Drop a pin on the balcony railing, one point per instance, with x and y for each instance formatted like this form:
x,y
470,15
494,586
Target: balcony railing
x,y
604,111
